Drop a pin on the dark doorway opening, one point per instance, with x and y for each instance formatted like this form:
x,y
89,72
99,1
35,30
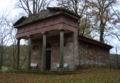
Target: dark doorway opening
x,y
48,60
48,45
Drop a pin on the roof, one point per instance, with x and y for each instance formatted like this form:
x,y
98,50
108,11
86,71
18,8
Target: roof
x,y
94,42
20,20
24,20
63,9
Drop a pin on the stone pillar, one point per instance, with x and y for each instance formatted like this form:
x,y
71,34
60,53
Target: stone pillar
x,y
61,49
18,53
29,53
76,54
44,53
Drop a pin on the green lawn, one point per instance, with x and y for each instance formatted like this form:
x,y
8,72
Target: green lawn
x,y
91,75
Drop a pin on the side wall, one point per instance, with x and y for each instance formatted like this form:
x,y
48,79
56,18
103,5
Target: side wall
x,y
92,54
114,61
36,54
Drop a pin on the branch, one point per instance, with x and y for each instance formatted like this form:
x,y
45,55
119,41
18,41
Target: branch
x,y
115,12
41,5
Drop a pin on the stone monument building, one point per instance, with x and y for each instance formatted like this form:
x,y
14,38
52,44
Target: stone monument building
x,y
53,39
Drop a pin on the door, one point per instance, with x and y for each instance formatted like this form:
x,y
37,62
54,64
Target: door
x,y
48,60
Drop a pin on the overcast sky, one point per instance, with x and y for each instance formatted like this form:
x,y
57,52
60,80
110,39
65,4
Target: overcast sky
x,y
8,7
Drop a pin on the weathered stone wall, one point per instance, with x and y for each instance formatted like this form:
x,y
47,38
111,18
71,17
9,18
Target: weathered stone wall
x,y
36,52
75,49
69,51
54,41
114,61
92,54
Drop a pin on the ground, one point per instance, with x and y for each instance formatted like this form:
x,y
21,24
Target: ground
x,y
90,75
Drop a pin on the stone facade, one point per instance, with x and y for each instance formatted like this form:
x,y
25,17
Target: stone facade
x,y
92,54
58,26
75,52
114,61
54,41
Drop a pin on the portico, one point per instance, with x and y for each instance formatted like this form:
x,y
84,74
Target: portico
x,y
55,26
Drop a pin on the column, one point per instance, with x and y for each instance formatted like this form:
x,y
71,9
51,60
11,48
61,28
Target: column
x,y
18,53
29,53
44,53
75,53
61,49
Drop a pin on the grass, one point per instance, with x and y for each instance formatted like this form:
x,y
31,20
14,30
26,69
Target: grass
x,y
91,75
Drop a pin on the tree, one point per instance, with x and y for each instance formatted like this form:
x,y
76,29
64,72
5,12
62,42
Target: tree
x,y
33,7
101,12
1,56
23,55
71,5
116,23
5,32
85,27
2,37
81,8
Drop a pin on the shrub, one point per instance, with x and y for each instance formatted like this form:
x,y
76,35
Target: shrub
x,y
61,71
93,65
78,67
86,65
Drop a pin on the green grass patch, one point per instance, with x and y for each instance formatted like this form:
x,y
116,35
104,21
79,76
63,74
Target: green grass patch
x,y
90,75
4,68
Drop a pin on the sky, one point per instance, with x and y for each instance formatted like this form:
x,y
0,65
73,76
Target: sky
x,y
7,7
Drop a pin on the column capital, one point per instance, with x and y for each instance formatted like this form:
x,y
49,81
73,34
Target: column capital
x,y
62,30
45,33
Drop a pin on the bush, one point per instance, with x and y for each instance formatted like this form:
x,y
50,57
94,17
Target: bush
x,y
93,65
78,67
61,71
85,65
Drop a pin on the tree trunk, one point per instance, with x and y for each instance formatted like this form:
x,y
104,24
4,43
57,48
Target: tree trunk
x,y
76,7
34,13
1,57
102,27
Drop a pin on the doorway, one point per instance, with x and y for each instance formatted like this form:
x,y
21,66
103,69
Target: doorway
x,y
48,60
